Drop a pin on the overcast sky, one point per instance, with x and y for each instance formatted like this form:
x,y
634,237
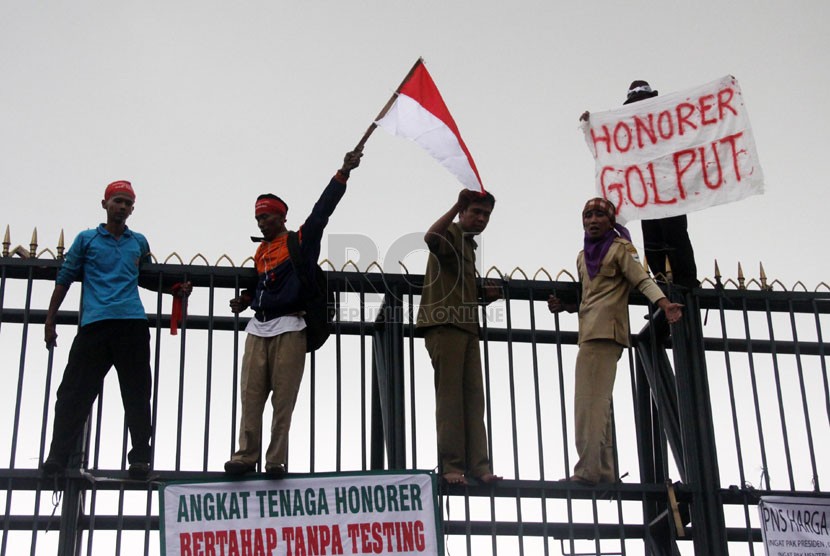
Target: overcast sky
x,y
204,105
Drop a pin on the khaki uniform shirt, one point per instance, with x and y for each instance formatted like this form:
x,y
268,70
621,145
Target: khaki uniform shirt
x,y
450,294
603,311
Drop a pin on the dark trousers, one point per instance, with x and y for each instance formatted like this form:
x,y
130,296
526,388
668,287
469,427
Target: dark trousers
x,y
669,237
124,344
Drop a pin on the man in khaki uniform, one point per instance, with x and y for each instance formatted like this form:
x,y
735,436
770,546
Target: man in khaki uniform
x,y
448,315
608,268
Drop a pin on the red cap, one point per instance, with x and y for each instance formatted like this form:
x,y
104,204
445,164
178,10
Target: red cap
x,y
120,187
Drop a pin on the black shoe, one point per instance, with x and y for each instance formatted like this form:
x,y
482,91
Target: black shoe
x,y
139,470
236,467
52,467
275,471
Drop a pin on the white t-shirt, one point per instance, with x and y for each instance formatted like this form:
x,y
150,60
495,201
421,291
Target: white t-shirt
x,y
275,327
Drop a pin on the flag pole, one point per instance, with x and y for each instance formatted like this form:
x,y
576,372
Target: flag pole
x,y
388,105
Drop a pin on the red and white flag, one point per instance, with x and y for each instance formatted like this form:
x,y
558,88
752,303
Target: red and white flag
x,y
419,113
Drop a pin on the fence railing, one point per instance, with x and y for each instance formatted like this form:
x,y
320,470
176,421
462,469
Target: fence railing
x,y
733,405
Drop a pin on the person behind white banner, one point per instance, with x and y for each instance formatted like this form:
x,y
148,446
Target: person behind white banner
x,y
664,237
608,268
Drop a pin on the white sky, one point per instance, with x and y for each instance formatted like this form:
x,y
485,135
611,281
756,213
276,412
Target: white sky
x,y
204,105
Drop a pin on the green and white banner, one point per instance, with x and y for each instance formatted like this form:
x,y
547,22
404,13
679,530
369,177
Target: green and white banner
x,y
361,513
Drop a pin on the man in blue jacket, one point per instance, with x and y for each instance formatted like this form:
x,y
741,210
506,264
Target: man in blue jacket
x,y
275,348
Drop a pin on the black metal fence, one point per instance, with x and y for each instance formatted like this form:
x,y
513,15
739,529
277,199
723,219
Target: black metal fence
x,y
733,406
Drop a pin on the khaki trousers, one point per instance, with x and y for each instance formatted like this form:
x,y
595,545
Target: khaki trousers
x,y
459,400
596,368
269,365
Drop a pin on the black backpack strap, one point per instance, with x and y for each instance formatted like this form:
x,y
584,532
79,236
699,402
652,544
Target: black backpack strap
x,y
296,257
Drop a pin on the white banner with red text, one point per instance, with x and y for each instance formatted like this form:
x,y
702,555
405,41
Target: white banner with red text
x,y
361,513
677,153
792,526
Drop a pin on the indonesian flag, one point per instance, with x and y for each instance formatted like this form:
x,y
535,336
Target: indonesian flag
x,y
419,113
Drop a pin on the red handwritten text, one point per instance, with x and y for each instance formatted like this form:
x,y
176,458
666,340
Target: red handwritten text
x,y
638,184
685,117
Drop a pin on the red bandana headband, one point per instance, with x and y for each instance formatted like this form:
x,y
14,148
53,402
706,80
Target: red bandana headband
x,y
270,206
120,187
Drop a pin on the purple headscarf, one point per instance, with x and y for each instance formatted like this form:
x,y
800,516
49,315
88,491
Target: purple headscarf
x,y
596,249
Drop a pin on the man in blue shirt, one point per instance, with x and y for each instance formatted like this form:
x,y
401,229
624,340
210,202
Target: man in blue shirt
x,y
114,331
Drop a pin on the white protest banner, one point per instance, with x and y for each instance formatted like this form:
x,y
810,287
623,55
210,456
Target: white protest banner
x,y
793,526
674,154
361,513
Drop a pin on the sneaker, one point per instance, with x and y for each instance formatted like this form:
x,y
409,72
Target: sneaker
x,y
275,471
52,467
236,467
139,470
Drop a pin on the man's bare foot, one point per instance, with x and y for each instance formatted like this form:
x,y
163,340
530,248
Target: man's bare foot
x,y
489,478
455,478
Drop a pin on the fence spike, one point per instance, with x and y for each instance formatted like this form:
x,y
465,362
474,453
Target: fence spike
x,y
33,244
741,279
60,245
763,275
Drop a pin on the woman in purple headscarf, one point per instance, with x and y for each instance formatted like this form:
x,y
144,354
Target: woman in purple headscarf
x,y
608,268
